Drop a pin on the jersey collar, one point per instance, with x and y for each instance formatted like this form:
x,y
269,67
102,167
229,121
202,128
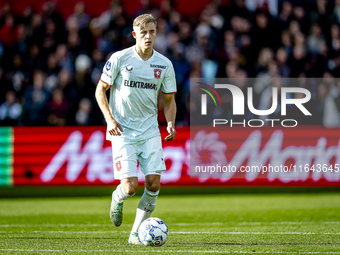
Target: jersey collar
x,y
136,54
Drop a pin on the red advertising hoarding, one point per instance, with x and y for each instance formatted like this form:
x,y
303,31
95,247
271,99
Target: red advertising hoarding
x,y
82,156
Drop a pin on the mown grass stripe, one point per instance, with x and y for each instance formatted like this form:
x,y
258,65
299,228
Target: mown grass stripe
x,y
169,251
177,232
180,224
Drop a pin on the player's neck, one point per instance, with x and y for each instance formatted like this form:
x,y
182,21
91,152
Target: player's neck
x,y
145,54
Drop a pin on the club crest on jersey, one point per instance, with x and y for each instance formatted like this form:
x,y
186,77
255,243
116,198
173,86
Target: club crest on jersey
x,y
108,66
118,165
158,73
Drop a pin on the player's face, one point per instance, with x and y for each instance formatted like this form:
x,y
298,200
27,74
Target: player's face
x,y
145,38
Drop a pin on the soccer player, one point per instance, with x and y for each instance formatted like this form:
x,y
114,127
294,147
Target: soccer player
x,y
135,76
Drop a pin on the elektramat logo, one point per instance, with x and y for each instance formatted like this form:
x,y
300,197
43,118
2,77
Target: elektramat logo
x,y
238,105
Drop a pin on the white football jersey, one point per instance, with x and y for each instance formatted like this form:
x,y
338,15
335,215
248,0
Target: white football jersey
x,y
135,85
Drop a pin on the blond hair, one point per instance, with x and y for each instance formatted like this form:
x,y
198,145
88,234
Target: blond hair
x,y
144,19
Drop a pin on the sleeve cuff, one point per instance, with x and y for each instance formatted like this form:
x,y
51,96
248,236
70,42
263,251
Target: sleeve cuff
x,y
169,92
105,82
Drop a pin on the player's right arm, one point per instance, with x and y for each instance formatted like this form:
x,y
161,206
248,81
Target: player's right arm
x,y
113,127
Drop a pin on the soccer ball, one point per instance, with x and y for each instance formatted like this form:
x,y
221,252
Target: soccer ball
x,y
153,232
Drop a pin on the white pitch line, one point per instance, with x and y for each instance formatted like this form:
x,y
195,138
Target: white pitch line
x,y
257,223
64,232
178,224
53,225
289,223
170,251
254,233
177,232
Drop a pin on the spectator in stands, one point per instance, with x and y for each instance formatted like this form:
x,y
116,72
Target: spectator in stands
x,y
51,39
7,31
271,6
83,116
52,73
67,85
115,9
328,107
161,44
265,56
19,73
80,15
315,39
63,58
299,39
262,28
182,70
335,17
21,44
334,42
286,13
320,15
49,12
297,61
97,65
36,97
84,84
10,110
300,16
58,109
304,37
281,60
286,42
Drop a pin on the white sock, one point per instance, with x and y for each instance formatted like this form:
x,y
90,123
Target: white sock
x,y
145,208
119,194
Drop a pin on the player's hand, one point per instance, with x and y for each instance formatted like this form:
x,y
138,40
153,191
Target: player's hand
x,y
172,133
114,128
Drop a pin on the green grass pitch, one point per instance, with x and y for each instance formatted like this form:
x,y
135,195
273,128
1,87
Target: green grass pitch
x,y
198,224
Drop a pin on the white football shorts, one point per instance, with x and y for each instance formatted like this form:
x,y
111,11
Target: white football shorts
x,y
149,152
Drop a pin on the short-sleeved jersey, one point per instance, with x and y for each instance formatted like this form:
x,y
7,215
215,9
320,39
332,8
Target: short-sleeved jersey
x,y
135,85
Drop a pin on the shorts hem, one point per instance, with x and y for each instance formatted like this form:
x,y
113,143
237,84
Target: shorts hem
x,y
128,140
127,175
159,172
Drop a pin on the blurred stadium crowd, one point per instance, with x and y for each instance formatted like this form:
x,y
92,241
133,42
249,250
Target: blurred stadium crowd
x,y
49,66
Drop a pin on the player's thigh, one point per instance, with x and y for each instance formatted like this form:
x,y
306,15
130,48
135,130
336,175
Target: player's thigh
x,y
124,157
150,156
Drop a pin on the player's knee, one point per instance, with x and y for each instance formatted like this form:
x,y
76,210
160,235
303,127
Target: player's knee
x,y
130,185
153,187
130,189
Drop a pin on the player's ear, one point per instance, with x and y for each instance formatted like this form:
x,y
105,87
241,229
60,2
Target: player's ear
x,y
134,34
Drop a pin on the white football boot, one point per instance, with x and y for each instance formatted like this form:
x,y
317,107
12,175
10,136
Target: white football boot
x,y
134,239
116,212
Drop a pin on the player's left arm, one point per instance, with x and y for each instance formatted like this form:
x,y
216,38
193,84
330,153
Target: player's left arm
x,y
170,115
